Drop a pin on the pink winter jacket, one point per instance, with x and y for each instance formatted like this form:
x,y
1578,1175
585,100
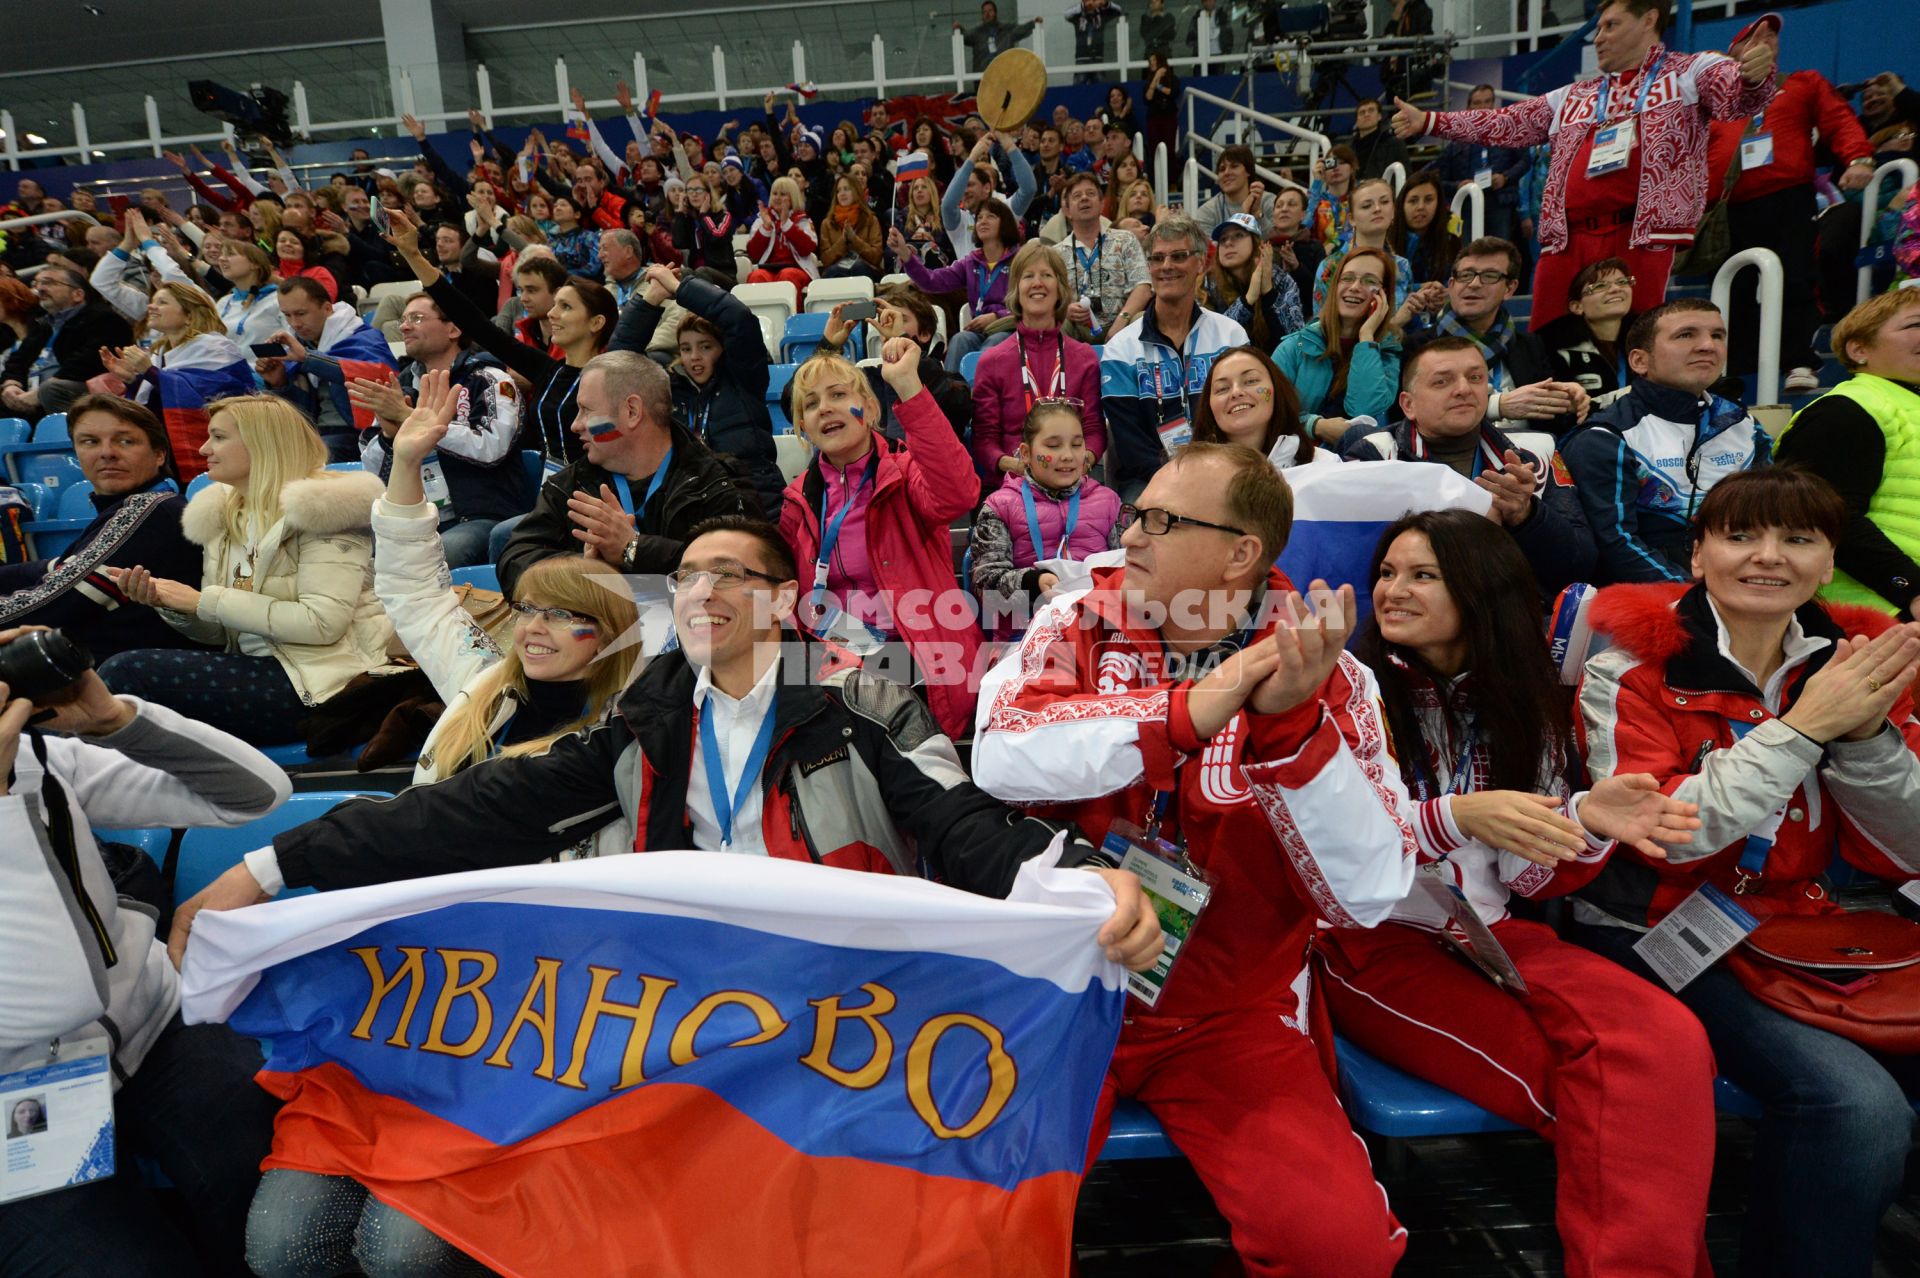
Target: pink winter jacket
x,y
1000,396
917,493
1692,88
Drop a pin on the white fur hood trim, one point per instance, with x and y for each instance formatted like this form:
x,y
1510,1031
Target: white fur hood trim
x,y
333,502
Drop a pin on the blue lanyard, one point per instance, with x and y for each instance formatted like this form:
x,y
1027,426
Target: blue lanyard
x,y
984,278
706,415
1033,522
1460,780
1606,87
653,486
1090,265
830,531
724,806
540,411
1753,854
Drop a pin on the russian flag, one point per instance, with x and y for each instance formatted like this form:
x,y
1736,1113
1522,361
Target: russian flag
x,y
805,89
209,368
1340,511
725,1065
911,165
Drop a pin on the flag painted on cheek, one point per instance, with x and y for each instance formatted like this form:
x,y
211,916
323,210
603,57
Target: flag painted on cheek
x,y
727,1065
1339,513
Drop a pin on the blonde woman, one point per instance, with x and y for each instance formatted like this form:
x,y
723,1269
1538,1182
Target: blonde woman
x,y
919,222
192,362
1041,363
251,312
782,240
575,636
288,555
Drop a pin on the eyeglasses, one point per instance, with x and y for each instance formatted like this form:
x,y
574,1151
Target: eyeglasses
x,y
724,578
1364,281
1157,522
1059,401
1603,286
1483,277
1170,259
558,617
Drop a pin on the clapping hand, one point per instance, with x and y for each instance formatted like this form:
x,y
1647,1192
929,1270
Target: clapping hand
x,y
1848,698
1632,809
1308,651
384,400
1512,490
142,587
601,524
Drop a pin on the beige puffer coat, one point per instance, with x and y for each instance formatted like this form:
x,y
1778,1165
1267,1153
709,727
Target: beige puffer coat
x,y
311,605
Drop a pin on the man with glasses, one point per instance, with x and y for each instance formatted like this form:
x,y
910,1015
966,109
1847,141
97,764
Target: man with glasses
x,y
644,480
1644,462
729,743
1153,374
1443,400
1519,369
1191,704
474,476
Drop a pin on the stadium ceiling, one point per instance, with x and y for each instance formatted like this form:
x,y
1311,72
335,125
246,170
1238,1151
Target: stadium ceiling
x,y
67,33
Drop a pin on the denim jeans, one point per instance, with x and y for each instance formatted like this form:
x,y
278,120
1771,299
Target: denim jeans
x,y
498,536
466,543
193,1108
1835,1127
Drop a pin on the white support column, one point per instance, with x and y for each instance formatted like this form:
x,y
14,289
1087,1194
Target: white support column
x,y
1536,18
879,65
642,87
960,60
1204,30
1121,46
302,118
10,145
799,63
483,81
1140,145
406,92
153,127
1190,187
719,77
1160,175
423,40
80,138
1039,38
562,87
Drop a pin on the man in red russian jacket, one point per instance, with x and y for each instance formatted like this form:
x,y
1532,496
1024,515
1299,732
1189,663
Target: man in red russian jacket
x,y
1648,199
1184,673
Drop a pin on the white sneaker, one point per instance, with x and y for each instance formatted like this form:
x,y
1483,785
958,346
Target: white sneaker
x,y
1802,380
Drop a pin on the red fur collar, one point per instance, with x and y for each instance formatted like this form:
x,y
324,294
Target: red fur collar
x,y
1641,619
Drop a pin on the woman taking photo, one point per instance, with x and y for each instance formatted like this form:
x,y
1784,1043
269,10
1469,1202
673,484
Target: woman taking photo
x,y
580,322
192,362
1346,364
1370,225
895,506
1584,345
250,312
1041,363
1327,196
287,562
983,273
704,231
850,238
1791,724
1420,235
1615,1073
576,245
1247,286
1249,402
919,223
557,676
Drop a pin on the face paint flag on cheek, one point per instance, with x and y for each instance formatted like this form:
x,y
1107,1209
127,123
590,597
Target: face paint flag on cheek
x,y
603,430
582,633
859,413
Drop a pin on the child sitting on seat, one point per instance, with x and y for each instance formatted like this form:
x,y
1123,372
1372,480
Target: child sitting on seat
x,y
1050,510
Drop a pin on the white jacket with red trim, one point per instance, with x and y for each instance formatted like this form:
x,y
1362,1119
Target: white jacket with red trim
x,y
1296,816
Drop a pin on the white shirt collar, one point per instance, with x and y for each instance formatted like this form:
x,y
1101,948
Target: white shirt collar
x,y
1797,646
758,699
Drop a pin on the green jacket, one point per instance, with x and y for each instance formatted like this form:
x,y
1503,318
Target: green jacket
x,y
1894,508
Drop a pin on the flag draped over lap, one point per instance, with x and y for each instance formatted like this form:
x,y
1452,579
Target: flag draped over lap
x,y
685,1063
1339,513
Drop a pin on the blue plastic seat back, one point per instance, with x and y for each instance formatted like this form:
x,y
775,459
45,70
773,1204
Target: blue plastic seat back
x,y
206,854
483,576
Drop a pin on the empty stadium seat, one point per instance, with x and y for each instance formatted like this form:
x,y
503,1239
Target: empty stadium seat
x,y
14,430
38,501
771,304
793,454
481,576
50,470
206,854
153,842
534,462
778,375
51,429
63,514
197,483
968,363
824,295
801,336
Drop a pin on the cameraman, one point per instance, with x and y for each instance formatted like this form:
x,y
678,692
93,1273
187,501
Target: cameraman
x,y
76,963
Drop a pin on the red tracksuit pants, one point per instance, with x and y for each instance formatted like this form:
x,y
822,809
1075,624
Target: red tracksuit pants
x,y
1246,1098
1614,1071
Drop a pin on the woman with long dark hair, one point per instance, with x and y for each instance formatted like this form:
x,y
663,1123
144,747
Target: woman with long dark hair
x,y
1420,233
1250,402
1615,1072
1346,363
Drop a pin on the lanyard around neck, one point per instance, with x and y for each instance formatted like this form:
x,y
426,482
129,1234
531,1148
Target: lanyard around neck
x,y
726,804
1057,383
1033,522
830,530
653,486
1639,103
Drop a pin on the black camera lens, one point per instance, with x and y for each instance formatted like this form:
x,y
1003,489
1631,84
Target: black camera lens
x,y
42,663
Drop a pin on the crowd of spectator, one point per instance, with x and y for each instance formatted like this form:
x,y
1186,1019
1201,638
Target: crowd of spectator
x,y
1056,369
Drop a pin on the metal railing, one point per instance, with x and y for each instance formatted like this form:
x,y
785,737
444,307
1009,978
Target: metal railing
x,y
1318,144
1773,286
1870,211
1475,199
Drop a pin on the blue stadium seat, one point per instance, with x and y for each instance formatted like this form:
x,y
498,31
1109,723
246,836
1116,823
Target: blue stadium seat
x,y
1390,1102
50,470
778,375
51,429
76,502
1135,1134
484,576
42,502
969,362
533,461
14,430
67,511
803,333
345,465
206,854
197,483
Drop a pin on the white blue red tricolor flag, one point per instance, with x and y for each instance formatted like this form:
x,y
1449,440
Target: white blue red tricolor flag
x,y
683,1063
191,379
1339,513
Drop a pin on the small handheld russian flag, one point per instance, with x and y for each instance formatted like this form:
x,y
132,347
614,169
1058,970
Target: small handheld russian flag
x,y
805,89
577,127
911,165
653,104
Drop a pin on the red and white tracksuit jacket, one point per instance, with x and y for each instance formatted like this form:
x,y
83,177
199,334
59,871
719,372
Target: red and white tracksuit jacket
x,y
1671,141
1297,817
1664,699
1614,1071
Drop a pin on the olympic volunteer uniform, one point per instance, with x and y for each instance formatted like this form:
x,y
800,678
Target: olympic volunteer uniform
x,y
1149,392
1610,1068
1297,817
